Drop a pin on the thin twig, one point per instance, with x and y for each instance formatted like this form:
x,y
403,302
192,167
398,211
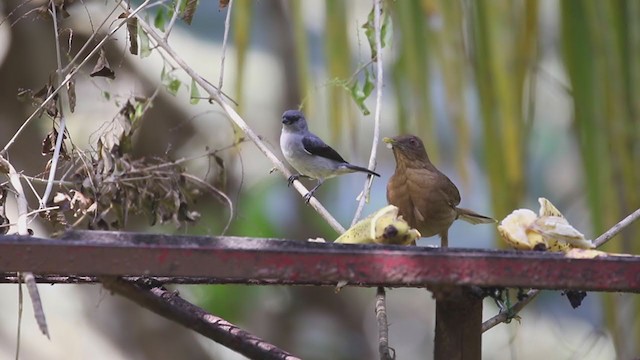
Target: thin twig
x,y
381,311
23,230
44,181
34,212
383,326
364,196
227,26
20,308
615,229
352,78
33,189
176,11
531,294
187,159
218,193
63,119
215,95
171,306
16,9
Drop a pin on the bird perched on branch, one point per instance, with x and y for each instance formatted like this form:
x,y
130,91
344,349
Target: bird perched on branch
x,y
427,199
309,155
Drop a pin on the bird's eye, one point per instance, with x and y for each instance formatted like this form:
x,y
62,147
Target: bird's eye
x,y
414,142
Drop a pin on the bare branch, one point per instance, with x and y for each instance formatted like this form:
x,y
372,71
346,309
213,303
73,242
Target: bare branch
x,y
171,306
615,229
227,27
531,294
364,196
20,308
63,119
383,326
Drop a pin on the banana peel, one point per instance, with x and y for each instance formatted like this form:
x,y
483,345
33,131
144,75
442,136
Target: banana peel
x,y
548,230
384,226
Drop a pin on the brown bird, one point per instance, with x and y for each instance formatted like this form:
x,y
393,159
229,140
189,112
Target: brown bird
x,y
427,199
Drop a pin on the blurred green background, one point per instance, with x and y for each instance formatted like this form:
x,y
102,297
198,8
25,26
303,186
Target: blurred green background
x,y
514,100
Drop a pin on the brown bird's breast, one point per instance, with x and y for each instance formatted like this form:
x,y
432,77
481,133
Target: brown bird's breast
x,y
426,199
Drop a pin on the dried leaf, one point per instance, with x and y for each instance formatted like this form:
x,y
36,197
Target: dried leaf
x,y
4,220
39,97
49,144
219,161
70,41
223,4
575,297
132,29
62,201
36,302
220,180
189,10
71,93
102,68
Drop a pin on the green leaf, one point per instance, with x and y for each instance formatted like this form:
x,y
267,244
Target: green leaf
x,y
174,86
139,111
386,32
145,49
170,82
195,93
160,19
361,93
370,32
369,85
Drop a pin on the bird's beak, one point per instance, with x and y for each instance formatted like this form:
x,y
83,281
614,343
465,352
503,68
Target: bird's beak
x,y
390,142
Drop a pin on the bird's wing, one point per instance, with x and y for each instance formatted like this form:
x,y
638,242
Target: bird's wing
x,y
315,146
450,191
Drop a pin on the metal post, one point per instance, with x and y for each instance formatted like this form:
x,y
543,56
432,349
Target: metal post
x,y
458,324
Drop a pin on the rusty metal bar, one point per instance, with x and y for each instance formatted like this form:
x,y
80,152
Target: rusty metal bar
x,y
297,262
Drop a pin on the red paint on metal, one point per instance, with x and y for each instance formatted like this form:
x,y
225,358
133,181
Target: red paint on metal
x,y
162,257
292,262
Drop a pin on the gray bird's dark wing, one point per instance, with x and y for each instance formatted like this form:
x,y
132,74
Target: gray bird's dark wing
x,y
315,146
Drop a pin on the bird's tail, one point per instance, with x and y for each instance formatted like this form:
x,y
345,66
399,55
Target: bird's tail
x,y
361,169
473,217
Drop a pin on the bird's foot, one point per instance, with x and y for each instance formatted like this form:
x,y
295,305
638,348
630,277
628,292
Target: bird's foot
x,y
504,304
292,178
308,197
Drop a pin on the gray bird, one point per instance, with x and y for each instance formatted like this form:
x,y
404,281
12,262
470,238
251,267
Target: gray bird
x,y
309,155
